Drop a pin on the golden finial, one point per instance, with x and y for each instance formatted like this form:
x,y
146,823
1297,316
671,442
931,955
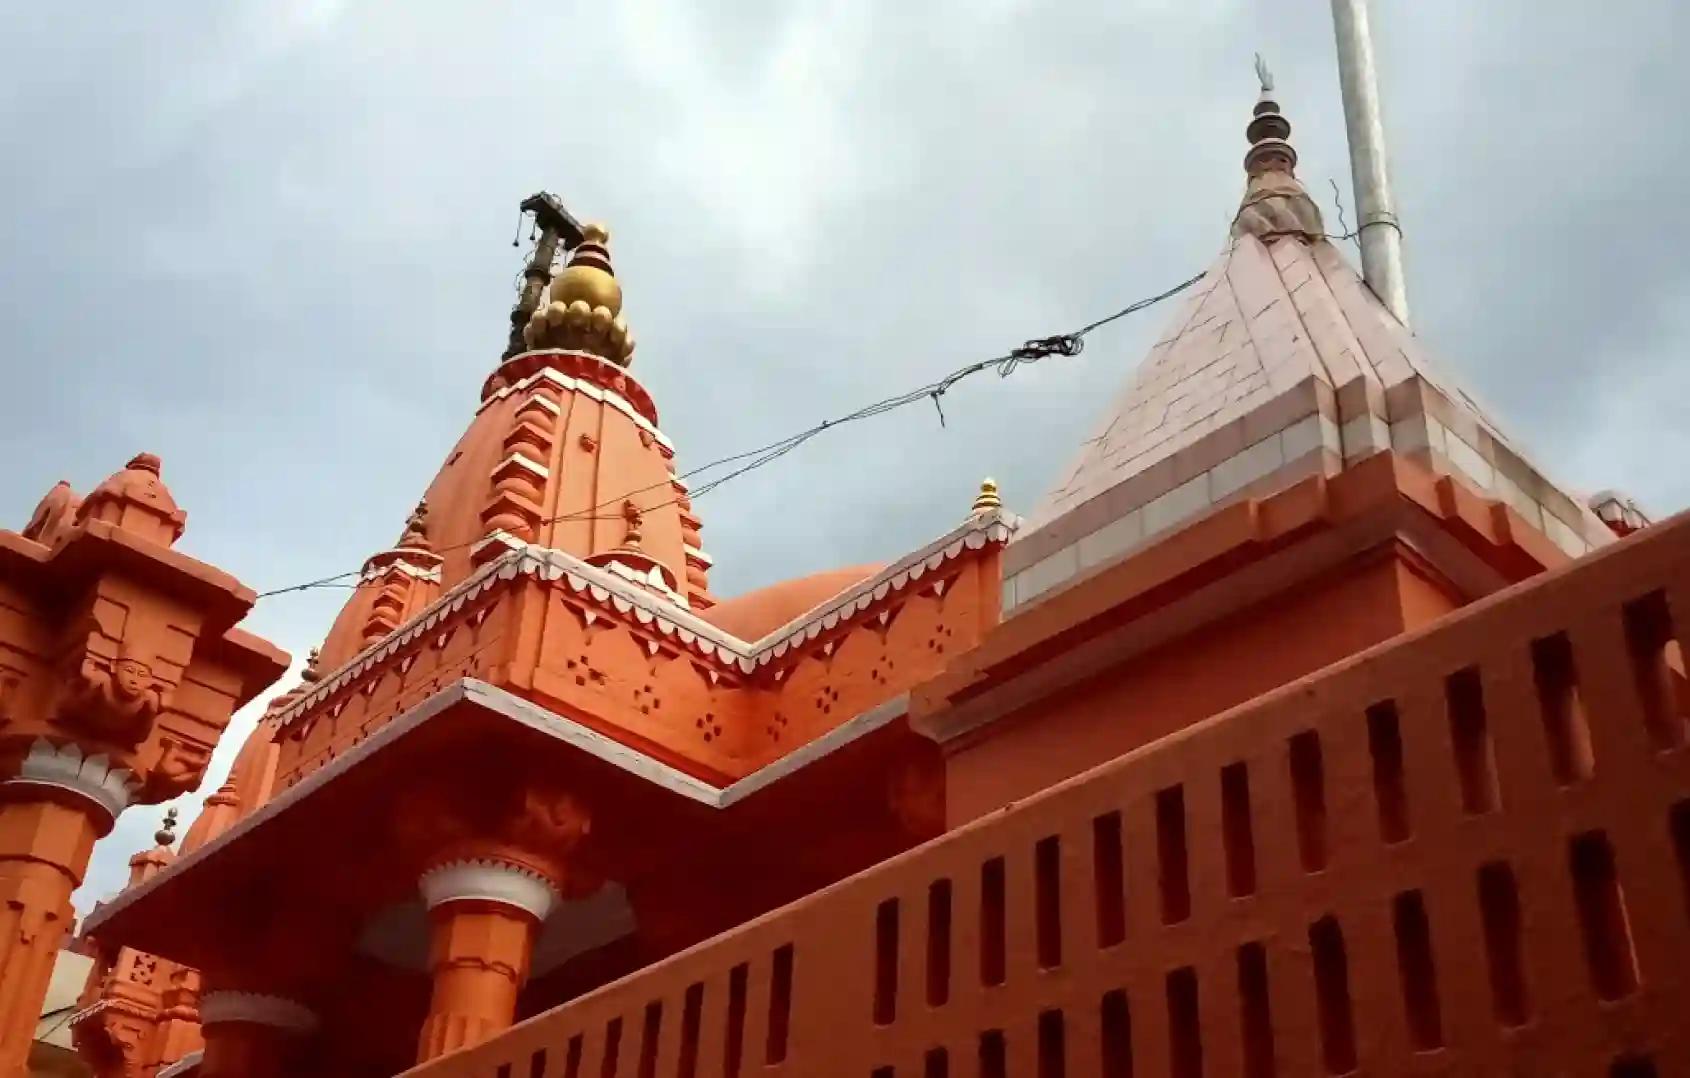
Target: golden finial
x,y
583,311
987,500
166,834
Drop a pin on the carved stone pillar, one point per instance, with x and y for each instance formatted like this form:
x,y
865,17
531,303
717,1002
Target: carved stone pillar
x,y
49,818
250,1034
119,668
484,915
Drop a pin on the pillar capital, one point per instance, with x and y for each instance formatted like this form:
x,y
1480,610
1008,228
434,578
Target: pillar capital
x,y
93,781
257,1008
489,879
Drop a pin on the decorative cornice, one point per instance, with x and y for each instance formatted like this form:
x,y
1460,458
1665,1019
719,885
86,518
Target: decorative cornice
x,y
712,646
534,717
489,880
636,405
404,560
92,778
278,1012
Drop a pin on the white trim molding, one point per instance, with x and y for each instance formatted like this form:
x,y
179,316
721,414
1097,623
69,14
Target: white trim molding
x,y
92,778
488,880
257,1008
668,618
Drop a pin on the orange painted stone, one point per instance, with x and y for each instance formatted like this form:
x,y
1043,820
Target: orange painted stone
x,y
120,664
1207,769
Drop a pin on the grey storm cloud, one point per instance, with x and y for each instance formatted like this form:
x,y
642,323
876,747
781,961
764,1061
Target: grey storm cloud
x,y
272,242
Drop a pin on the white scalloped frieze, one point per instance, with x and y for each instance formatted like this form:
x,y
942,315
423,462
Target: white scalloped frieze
x,y
883,590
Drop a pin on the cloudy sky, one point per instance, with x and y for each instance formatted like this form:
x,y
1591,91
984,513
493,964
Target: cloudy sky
x,y
272,241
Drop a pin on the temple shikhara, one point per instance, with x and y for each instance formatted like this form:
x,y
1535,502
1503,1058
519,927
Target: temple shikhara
x,y
1303,726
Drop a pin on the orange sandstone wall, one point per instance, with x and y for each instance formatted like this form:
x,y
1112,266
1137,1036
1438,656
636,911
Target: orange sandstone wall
x,y
1466,851
1178,683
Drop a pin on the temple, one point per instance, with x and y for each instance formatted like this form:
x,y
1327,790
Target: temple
x,y
1304,726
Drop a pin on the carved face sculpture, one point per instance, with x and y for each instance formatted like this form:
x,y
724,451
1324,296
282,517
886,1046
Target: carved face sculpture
x,y
131,678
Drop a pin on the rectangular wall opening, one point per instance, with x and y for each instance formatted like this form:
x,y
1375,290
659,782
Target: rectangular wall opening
x,y
1499,910
572,1057
1308,790
1047,900
991,922
1566,730
1418,971
1602,916
1332,996
993,1059
1237,830
652,1029
1390,786
692,1013
939,943
537,1064
1116,1029
1053,1047
780,1005
1657,670
1185,1025
1475,756
1679,824
886,962
1633,1066
733,1048
612,1048
1109,878
936,1064
1255,1014
1173,863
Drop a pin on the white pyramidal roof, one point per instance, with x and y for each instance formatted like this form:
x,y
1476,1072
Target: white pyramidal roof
x,y
1282,364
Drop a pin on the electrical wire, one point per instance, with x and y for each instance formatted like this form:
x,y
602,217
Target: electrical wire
x,y
1032,351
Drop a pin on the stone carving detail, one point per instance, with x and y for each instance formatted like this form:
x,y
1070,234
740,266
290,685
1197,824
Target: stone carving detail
x,y
397,574
137,501
181,765
93,777
55,515
116,699
515,507
489,880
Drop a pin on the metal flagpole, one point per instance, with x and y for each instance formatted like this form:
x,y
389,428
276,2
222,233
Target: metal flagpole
x,y
1380,233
